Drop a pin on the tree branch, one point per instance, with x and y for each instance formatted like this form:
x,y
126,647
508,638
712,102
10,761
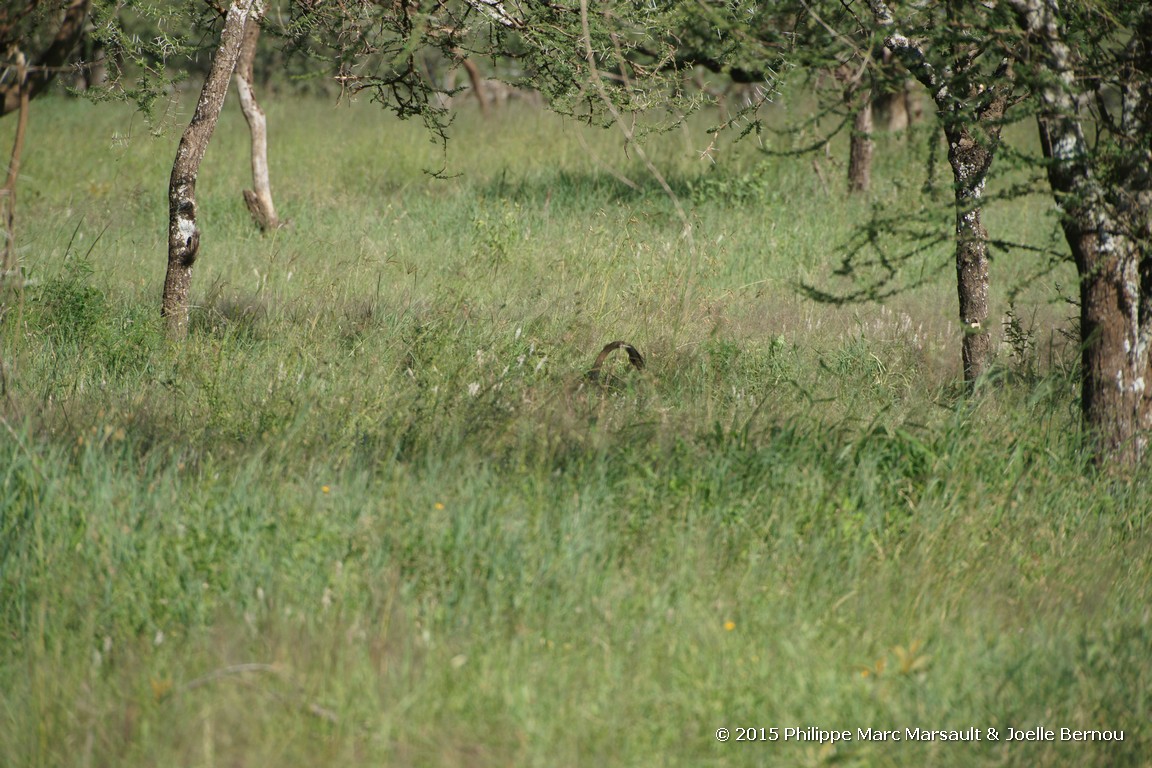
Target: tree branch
x,y
43,71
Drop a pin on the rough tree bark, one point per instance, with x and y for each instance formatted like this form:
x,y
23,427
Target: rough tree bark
x,y
1107,225
43,70
972,135
259,198
183,234
971,148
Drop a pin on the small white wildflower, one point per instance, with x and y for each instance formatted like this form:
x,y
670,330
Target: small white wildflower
x,y
474,389
159,637
540,364
517,333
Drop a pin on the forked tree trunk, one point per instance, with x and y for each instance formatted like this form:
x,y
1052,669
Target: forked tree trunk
x,y
860,148
183,233
259,198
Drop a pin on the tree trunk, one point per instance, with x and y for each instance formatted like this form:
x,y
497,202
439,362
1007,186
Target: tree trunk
x,y
893,104
972,122
970,162
1105,209
183,234
92,67
259,198
477,83
1115,280
860,148
9,268
892,110
1114,364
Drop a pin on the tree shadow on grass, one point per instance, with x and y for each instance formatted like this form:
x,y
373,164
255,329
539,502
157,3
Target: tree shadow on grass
x,y
577,188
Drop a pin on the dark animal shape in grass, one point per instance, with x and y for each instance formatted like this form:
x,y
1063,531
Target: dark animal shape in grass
x,y
597,376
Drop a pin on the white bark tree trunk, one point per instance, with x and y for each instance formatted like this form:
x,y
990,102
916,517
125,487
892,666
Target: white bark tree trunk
x,y
259,198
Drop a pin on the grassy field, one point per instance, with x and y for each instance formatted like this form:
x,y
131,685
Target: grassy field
x,y
369,513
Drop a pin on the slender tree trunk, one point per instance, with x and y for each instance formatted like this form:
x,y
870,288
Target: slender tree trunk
x,y
891,104
477,83
861,147
183,233
9,268
259,198
972,122
970,160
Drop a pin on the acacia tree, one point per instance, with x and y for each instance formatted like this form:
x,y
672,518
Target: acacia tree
x,y
946,44
183,232
1092,67
363,44
966,71
22,28
34,60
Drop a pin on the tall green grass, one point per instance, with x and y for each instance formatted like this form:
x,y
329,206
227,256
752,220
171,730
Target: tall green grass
x,y
370,513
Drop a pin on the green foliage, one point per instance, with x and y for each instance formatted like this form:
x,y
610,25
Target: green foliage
x,y
371,511
149,46
76,317
750,187
71,308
